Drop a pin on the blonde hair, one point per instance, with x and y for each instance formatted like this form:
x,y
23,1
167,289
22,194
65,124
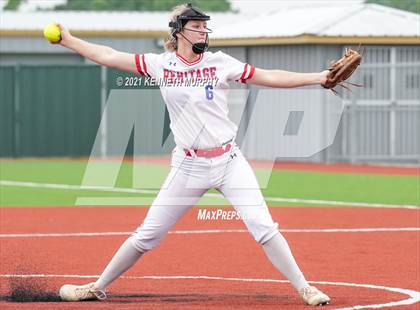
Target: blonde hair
x,y
171,43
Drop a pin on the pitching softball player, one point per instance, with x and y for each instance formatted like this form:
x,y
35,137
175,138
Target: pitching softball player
x,y
205,155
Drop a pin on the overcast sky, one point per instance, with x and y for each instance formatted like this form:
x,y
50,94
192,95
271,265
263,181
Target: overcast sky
x,y
245,6
249,6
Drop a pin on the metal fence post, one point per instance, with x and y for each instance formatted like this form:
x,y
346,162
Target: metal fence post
x,y
352,130
393,106
103,126
16,112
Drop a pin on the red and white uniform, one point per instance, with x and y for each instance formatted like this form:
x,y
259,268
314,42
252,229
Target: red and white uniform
x,y
199,120
199,115
203,159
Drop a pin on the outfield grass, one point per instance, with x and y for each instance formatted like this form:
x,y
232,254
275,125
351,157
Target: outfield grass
x,y
369,188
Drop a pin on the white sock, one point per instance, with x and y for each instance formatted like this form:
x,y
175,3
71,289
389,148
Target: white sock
x,y
125,257
281,257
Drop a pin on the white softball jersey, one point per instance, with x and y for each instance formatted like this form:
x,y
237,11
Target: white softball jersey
x,y
198,113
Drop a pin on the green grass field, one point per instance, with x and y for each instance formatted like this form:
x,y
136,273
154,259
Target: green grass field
x,y
366,188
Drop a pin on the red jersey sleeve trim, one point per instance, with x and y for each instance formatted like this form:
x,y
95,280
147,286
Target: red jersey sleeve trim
x,y
248,73
251,73
144,65
243,73
137,59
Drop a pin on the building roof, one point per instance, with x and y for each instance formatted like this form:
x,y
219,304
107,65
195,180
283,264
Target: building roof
x,y
316,22
328,23
327,20
98,21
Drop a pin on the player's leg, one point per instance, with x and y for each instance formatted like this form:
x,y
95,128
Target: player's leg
x,y
180,191
240,187
170,205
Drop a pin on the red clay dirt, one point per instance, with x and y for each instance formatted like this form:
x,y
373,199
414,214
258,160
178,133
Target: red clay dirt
x,y
379,258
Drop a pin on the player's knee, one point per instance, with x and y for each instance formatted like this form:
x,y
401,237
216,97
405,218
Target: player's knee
x,y
265,233
145,239
143,243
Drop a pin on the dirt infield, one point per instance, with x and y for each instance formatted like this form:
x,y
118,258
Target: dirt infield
x,y
214,269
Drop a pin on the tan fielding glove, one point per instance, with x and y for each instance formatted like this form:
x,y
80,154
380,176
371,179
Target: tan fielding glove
x,y
343,68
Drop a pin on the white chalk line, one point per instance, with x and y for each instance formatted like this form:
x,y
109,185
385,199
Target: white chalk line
x,y
214,195
414,296
213,231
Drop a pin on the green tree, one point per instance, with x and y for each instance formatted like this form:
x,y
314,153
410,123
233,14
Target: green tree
x,y
407,5
12,5
141,5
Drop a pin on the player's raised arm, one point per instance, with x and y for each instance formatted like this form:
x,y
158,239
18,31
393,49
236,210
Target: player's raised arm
x,y
101,54
286,79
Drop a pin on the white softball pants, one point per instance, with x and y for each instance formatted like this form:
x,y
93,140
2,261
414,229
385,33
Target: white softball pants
x,y
189,179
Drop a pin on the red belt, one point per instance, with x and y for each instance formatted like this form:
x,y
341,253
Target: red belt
x,y
217,151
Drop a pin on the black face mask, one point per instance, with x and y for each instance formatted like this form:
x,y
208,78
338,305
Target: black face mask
x,y
198,48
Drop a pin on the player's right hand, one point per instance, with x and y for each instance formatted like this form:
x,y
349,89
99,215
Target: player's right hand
x,y
65,34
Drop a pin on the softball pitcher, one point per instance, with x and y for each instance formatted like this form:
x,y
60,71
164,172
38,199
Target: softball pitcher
x,y
205,155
